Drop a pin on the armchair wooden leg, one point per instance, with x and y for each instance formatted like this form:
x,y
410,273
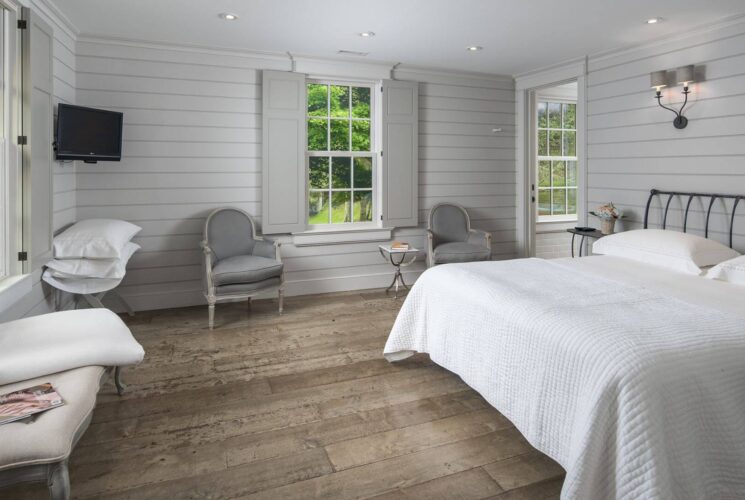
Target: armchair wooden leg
x,y
59,482
281,294
212,315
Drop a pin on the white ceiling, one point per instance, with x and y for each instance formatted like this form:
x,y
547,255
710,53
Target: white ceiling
x,y
517,35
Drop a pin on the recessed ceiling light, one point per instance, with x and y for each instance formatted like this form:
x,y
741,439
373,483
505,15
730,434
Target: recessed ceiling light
x,y
227,16
367,34
474,48
654,20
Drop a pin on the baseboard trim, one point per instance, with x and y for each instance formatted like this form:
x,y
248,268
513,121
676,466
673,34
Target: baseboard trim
x,y
189,298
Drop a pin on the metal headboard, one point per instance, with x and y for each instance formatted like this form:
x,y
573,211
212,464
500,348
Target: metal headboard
x,y
712,198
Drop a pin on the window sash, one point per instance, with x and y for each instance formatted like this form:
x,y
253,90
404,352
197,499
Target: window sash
x,y
373,190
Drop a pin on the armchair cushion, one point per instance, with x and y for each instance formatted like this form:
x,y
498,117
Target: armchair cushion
x,y
243,269
460,252
246,287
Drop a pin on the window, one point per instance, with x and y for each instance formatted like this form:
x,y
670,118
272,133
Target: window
x,y
557,161
340,158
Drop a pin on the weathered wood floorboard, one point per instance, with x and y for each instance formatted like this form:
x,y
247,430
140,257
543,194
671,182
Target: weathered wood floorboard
x,y
295,406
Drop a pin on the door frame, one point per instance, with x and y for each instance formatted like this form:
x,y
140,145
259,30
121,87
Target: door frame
x,y
526,87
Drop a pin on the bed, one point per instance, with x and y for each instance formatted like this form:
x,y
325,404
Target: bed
x,y
629,375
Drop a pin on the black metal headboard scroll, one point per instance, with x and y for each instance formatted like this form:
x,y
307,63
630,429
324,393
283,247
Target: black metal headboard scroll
x,y
712,198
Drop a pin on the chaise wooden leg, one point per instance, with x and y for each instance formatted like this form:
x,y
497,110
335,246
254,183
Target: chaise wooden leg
x,y
212,315
59,482
120,387
281,294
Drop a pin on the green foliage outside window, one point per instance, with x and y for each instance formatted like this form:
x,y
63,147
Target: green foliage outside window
x,y
340,187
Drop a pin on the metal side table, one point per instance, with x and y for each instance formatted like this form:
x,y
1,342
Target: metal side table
x,y
398,259
585,234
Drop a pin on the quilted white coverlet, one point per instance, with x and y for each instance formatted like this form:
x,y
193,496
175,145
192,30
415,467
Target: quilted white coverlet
x,y
637,395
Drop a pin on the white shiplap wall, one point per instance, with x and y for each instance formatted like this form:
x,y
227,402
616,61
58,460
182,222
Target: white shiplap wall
x,y
192,143
633,147
64,202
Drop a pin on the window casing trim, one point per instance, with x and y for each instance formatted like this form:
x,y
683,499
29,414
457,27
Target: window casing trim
x,y
373,154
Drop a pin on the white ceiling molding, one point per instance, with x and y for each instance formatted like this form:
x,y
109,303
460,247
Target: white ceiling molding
x,y
552,75
703,32
317,66
58,18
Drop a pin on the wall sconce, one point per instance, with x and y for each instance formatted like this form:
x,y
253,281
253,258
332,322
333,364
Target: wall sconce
x,y
684,76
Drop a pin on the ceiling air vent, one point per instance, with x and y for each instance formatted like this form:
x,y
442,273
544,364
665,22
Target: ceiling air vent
x,y
352,53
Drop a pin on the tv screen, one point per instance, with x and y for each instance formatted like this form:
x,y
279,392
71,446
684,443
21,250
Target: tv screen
x,y
88,134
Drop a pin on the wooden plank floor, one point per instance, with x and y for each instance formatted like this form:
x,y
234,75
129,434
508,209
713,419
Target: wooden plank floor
x,y
297,406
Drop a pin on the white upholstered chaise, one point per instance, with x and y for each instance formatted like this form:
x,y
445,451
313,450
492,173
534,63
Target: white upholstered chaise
x,y
75,351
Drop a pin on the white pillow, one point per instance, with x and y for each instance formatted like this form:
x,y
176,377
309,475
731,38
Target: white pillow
x,y
731,271
94,239
90,268
669,249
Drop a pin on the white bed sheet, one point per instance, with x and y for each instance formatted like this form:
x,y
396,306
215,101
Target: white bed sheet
x,y
631,377
720,295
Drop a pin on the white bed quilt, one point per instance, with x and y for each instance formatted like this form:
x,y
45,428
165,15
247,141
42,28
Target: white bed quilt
x,y
637,395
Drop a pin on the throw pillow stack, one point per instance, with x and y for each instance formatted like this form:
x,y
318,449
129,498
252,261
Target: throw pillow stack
x,y
91,256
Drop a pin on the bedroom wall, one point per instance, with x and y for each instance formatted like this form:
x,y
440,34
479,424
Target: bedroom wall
x,y
192,143
633,147
64,203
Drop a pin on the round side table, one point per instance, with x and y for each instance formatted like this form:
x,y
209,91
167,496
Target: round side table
x,y
398,259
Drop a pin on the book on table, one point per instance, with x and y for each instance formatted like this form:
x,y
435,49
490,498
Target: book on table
x,y
30,401
399,245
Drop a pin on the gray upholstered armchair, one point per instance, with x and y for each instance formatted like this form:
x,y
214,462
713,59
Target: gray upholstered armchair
x,y
239,264
451,239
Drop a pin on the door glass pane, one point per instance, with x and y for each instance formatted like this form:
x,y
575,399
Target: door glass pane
x,y
362,173
317,135
571,173
341,173
361,102
318,207
554,115
558,174
317,99
362,206
339,101
570,139
544,202
542,119
339,135
570,115
559,205
554,140
319,173
542,143
341,210
360,135
544,174
572,203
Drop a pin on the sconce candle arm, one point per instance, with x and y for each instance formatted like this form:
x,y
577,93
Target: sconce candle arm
x,y
680,121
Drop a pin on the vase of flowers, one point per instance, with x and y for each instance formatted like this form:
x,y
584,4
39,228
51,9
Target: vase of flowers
x,y
608,215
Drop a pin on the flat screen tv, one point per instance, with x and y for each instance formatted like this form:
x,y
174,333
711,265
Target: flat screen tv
x,y
88,134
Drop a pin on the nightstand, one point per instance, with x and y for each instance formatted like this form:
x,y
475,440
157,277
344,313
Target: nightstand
x,y
595,234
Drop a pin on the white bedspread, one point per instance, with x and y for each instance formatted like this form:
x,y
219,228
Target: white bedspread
x,y
51,343
636,394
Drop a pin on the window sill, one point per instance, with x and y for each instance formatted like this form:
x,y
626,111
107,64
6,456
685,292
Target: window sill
x,y
325,236
13,289
555,226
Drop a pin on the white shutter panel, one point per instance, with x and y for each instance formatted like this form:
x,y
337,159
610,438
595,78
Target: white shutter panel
x,y
37,126
400,153
283,180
